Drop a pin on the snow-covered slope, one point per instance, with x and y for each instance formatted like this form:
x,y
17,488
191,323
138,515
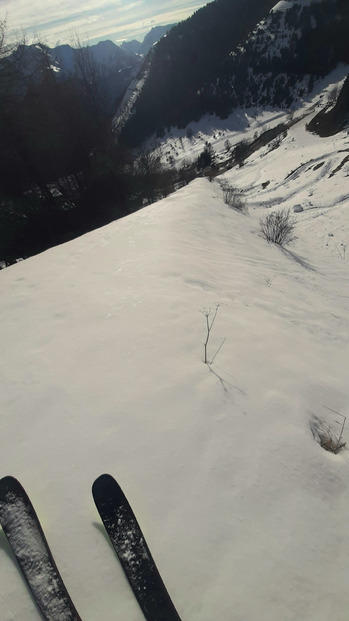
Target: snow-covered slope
x,y
102,371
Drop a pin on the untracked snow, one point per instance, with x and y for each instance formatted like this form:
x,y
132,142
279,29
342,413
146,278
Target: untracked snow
x,y
102,370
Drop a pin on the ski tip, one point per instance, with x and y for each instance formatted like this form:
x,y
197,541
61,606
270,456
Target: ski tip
x,y
103,478
10,490
105,484
9,483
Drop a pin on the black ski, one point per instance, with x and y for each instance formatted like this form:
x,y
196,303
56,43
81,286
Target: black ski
x,y
131,547
26,537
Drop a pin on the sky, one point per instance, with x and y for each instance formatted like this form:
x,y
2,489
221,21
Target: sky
x,y
56,23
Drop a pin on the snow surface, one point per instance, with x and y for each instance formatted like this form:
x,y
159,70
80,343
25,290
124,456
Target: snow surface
x,y
102,371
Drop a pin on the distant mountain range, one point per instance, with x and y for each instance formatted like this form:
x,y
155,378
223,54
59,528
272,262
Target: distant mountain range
x,y
150,39
116,65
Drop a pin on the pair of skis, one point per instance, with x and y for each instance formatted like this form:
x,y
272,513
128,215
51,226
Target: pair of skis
x,y
23,530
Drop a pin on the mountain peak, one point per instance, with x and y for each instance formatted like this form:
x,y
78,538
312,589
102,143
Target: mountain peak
x,y
153,36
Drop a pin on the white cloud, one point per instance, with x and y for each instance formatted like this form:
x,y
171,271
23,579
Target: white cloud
x,y
93,19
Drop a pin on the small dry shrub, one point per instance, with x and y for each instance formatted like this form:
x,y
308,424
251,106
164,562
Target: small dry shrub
x,y
325,435
278,227
233,197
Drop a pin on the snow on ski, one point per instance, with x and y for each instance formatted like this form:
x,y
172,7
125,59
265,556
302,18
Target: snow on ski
x,y
133,552
26,537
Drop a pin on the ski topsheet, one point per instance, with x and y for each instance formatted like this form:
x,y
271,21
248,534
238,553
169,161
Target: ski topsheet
x,y
131,547
26,537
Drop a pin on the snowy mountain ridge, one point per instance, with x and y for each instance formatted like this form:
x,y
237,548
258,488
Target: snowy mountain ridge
x,y
153,36
244,511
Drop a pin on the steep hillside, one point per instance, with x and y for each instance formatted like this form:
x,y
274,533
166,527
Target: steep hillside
x,y
189,56
102,371
296,44
239,54
335,116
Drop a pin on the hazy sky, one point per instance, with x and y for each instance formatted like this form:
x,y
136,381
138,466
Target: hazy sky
x,y
56,22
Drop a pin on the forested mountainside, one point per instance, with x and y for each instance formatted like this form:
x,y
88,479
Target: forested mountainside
x,y
232,54
297,43
191,55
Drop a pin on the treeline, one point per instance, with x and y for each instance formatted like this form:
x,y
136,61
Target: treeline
x,y
61,172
